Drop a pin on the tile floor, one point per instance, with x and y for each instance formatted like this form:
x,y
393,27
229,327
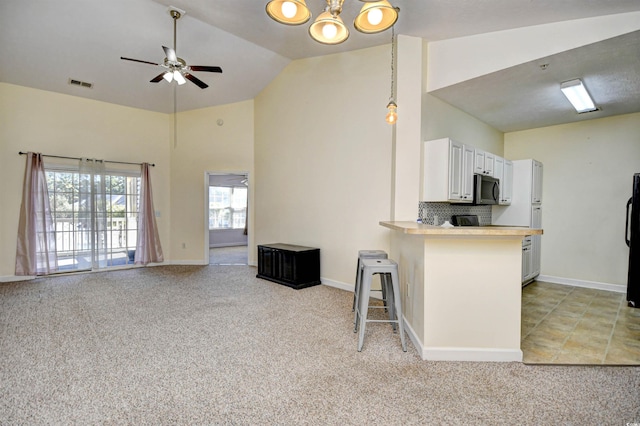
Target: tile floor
x,y
572,325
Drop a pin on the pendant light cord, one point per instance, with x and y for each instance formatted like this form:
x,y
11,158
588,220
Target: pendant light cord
x,y
393,57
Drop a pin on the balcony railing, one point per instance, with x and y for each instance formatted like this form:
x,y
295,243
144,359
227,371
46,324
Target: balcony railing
x,y
74,242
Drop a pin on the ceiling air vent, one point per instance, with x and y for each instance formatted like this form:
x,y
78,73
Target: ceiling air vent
x,y
75,82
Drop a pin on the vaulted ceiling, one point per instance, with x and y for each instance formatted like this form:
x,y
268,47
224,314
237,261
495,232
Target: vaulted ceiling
x,y
45,43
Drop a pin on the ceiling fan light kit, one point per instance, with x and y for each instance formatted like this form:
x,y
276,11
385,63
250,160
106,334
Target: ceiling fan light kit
x,y
175,68
328,28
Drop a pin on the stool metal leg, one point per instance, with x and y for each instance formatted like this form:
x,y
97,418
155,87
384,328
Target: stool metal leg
x,y
389,298
363,307
356,288
357,297
395,281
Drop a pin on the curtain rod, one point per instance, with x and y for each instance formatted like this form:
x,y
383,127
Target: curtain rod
x,y
78,158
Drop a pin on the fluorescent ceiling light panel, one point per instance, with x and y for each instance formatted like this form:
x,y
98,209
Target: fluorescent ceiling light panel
x,y
577,94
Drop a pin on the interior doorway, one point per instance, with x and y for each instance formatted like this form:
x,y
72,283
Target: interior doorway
x,y
226,196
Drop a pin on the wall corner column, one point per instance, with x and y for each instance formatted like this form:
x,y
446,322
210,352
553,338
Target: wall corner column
x,y
407,134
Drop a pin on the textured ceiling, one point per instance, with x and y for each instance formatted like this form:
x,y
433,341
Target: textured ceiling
x,y
43,43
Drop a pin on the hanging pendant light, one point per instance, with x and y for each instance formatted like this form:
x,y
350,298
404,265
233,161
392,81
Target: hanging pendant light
x,y
392,114
375,16
329,29
392,107
289,12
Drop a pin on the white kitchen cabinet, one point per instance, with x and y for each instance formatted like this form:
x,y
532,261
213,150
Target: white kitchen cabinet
x,y
484,163
525,210
506,183
498,168
527,257
536,240
536,193
447,171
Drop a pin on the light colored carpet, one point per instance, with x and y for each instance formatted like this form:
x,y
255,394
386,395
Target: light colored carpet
x,y
215,345
233,255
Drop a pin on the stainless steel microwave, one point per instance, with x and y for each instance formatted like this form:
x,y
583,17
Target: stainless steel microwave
x,y
486,190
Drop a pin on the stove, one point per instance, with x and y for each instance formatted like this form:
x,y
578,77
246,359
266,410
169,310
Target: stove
x,y
465,220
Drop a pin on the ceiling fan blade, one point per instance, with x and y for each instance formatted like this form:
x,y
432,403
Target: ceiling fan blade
x,y
196,80
205,68
171,54
138,60
157,78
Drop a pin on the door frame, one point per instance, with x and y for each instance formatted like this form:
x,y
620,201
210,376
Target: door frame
x,y
207,175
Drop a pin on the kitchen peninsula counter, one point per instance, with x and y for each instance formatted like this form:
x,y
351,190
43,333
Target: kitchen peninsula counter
x,y
415,228
461,289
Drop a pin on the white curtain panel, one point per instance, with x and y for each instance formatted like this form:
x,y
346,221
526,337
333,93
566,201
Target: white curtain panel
x,y
36,245
92,211
148,248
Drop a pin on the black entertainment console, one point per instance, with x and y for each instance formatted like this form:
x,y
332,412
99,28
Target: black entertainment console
x,y
294,266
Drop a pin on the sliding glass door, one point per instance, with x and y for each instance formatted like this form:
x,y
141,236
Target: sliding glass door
x,y
94,230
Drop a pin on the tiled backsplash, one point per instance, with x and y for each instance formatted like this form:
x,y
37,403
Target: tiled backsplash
x,y
444,211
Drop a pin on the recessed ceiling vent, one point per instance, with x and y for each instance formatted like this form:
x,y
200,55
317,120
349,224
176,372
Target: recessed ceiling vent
x,y
75,82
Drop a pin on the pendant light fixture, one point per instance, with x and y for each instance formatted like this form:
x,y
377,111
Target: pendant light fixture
x,y
375,16
392,107
289,12
328,28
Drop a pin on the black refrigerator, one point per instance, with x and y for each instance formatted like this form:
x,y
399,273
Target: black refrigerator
x,y
632,238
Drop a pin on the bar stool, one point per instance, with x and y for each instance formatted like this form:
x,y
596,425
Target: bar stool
x,y
389,269
365,254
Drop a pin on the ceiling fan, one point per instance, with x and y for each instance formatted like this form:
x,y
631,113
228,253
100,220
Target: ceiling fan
x,y
176,68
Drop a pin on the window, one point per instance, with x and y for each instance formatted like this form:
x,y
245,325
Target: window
x,y
75,237
227,207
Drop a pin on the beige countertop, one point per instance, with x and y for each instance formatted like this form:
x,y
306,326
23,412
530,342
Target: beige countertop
x,y
416,228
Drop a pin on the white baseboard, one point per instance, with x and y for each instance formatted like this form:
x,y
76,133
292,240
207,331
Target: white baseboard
x,y
472,354
582,283
15,278
414,338
187,262
337,284
462,354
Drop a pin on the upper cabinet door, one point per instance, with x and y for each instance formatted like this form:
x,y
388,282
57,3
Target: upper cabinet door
x,y
468,155
489,164
506,184
484,163
455,170
536,190
447,172
478,167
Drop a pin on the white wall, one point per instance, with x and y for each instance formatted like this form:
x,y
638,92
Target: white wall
x,y
441,120
204,146
323,158
51,123
588,167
